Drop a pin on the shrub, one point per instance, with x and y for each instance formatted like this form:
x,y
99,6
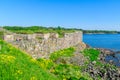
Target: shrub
x,y
91,53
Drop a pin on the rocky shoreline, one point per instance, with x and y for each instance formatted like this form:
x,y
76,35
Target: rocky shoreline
x,y
109,56
107,70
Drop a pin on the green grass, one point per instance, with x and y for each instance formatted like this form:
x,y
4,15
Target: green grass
x,y
38,29
91,53
17,65
1,34
70,72
63,70
62,53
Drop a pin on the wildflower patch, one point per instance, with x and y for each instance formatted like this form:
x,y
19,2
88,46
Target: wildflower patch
x,y
6,59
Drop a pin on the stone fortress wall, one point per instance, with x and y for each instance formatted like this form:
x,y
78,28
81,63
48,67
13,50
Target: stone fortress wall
x,y
41,45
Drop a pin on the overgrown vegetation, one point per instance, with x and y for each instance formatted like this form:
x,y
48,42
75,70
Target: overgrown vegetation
x,y
63,70
64,53
38,29
17,65
91,53
1,34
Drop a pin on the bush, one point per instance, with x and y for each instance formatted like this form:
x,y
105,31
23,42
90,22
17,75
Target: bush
x,y
91,53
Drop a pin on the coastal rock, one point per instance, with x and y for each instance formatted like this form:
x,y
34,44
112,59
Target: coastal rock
x,y
109,56
104,72
106,51
77,59
107,71
118,52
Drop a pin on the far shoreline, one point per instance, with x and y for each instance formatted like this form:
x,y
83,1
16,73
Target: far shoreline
x,y
101,33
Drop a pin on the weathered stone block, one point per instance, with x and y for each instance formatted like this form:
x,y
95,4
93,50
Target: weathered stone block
x,y
9,37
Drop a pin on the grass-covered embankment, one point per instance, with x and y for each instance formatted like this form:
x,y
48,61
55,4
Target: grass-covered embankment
x,y
59,65
17,65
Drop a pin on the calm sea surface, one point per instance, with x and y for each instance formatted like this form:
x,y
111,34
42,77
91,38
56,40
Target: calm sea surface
x,y
109,41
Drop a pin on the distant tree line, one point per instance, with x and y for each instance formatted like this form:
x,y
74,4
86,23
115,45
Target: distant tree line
x,y
99,31
60,30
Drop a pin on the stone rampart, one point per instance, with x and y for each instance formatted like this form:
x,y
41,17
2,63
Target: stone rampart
x,y
40,45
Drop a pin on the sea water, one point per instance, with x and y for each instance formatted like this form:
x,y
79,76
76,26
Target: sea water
x,y
109,41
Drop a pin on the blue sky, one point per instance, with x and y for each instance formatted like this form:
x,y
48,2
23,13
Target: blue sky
x,y
84,14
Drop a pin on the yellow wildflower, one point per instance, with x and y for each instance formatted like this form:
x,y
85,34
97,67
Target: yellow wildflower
x,y
6,58
19,72
33,78
33,60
